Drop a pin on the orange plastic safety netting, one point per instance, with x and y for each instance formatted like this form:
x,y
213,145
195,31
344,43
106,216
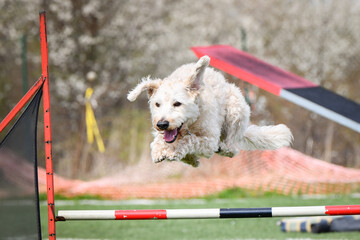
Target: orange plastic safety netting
x,y
285,171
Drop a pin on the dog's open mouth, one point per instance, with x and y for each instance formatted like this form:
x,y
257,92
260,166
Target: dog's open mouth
x,y
171,135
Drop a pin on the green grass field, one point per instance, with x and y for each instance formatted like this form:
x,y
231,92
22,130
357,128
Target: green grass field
x,y
265,228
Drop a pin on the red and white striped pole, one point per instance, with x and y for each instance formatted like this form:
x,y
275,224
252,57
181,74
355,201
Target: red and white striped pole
x,y
65,215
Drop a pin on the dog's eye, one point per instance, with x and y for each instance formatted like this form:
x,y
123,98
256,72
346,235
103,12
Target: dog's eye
x,y
176,104
157,104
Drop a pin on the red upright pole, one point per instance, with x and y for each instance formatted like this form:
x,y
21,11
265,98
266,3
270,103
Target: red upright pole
x,y
47,127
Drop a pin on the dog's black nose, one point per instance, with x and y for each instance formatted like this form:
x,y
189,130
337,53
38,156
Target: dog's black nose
x,y
163,125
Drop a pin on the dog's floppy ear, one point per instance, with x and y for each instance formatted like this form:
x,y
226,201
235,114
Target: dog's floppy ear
x,y
146,84
196,80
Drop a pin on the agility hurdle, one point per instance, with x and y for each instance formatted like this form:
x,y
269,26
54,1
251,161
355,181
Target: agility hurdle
x,y
156,214
209,213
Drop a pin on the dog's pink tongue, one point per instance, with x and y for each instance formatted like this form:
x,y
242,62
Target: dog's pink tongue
x,y
169,135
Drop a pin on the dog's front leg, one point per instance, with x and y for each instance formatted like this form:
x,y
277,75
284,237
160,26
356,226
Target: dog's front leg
x,y
160,150
177,151
193,145
186,149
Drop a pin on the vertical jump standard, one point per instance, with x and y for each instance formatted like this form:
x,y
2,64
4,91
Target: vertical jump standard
x,y
47,127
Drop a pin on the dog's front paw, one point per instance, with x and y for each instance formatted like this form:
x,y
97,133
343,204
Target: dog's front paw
x,y
157,156
167,158
158,160
158,150
161,152
175,156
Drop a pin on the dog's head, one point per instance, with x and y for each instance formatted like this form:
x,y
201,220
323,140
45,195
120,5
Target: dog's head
x,y
173,100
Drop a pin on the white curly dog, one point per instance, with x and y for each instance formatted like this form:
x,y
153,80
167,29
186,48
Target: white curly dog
x,y
196,113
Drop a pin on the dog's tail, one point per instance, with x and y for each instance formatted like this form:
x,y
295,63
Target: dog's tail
x,y
266,137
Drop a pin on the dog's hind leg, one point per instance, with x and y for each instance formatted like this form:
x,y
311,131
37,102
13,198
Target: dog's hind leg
x,y
236,121
224,149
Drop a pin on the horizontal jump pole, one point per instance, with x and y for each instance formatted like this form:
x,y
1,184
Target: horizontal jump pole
x,y
209,213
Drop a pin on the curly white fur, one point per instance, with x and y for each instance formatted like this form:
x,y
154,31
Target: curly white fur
x,y
205,115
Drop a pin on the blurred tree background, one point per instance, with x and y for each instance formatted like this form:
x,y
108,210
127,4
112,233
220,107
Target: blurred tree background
x,y
122,41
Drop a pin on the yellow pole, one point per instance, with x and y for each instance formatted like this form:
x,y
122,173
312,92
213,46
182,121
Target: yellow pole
x,y
91,125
